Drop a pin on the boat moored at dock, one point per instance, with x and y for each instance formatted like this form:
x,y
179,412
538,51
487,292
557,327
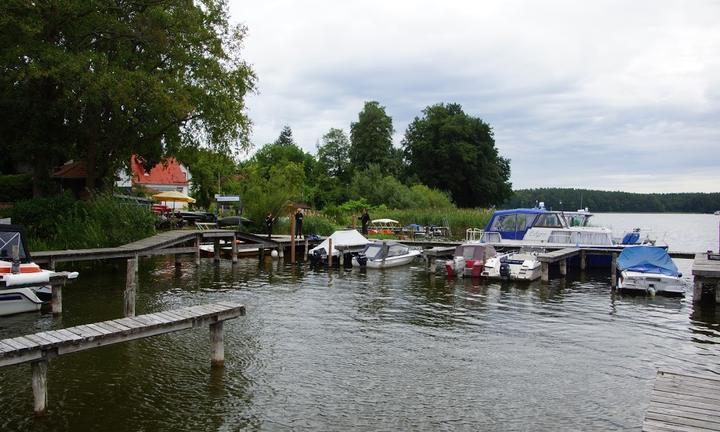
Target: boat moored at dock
x,y
648,269
385,254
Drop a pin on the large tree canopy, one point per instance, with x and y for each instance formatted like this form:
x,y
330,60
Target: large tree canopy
x,y
100,80
371,139
450,150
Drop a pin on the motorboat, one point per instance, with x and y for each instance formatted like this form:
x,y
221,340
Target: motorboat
x,y
522,265
469,259
539,227
649,270
243,250
385,254
24,286
346,242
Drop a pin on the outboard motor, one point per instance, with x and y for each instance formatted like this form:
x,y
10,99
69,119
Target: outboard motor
x,y
362,259
505,270
347,260
316,257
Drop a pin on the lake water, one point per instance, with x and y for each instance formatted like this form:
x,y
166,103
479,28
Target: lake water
x,y
372,350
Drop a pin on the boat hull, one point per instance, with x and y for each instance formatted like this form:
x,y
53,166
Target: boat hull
x,y
18,300
513,267
651,283
389,262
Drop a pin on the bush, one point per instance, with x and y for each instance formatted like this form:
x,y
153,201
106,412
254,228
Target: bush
x,y
61,222
15,187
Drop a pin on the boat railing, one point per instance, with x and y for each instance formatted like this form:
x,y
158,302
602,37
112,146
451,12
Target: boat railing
x,y
480,236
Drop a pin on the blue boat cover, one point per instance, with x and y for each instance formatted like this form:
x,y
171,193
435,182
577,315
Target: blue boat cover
x,y
647,259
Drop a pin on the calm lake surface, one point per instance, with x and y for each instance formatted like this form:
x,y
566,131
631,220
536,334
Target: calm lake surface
x,y
373,350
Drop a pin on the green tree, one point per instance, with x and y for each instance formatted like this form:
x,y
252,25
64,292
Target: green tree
x,y
333,154
212,172
371,139
101,80
270,193
452,151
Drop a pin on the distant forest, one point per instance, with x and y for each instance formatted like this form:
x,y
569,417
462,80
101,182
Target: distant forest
x,y
604,201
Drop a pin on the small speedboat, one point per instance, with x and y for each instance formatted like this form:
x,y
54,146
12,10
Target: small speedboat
x,y
385,255
24,286
343,242
649,269
469,259
522,265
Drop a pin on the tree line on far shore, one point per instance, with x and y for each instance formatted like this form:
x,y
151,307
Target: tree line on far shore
x,y
615,201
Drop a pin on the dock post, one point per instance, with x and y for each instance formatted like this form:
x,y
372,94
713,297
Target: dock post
x,y
433,265
130,287
613,271
234,249
51,264
697,289
583,260
197,250
217,348
306,248
281,251
56,300
330,253
545,272
39,385
178,264
216,247
563,266
292,240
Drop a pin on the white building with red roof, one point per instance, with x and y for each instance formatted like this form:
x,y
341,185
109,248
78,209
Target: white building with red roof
x,y
168,175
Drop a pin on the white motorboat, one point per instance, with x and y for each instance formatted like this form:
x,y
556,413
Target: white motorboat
x,y
346,242
522,265
649,269
24,286
469,259
385,255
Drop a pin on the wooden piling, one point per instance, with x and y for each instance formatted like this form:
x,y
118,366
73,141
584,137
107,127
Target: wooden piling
x,y
545,272
613,271
178,263
216,247
292,240
51,264
330,253
217,347
56,300
130,287
234,249
197,249
583,260
563,266
39,386
306,248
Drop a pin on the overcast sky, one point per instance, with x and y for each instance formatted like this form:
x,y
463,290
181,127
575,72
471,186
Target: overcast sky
x,y
602,94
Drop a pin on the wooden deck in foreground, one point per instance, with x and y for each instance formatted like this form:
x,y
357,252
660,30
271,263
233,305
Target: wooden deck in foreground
x,y
683,402
38,348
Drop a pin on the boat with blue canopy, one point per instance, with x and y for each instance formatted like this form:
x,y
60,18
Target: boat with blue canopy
x,y
649,269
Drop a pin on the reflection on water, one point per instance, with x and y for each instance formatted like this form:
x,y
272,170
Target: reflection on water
x,y
364,350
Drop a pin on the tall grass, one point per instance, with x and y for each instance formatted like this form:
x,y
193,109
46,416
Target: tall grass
x,y
64,223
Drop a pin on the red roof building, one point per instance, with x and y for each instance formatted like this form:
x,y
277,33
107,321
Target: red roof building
x,y
167,175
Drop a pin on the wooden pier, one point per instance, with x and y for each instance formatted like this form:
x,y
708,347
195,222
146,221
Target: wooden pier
x,y
683,402
37,349
706,274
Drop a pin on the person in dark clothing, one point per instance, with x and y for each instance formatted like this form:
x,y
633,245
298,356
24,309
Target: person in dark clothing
x,y
298,223
269,221
365,219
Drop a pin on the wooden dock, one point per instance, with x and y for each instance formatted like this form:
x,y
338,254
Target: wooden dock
x,y
706,274
39,348
683,402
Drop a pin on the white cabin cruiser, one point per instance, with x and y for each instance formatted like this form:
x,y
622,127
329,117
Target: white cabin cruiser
x,y
649,269
522,265
385,254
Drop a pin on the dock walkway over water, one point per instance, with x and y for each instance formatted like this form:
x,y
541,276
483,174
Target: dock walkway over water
x,y
39,348
683,402
706,274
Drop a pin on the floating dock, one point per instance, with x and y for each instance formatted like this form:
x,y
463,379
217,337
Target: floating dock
x,y
683,402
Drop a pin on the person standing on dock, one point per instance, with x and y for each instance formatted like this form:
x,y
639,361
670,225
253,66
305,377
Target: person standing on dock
x,y
269,221
298,223
365,219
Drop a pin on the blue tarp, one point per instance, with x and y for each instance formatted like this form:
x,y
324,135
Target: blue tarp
x,y
647,259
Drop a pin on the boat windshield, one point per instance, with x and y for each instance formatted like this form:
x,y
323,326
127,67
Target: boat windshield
x,y
373,250
577,219
548,220
10,239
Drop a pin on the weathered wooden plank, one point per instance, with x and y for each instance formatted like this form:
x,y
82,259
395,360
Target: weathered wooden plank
x,y
70,336
5,348
129,322
38,339
115,325
49,336
27,343
169,316
14,344
85,331
688,405
107,329
682,413
683,421
699,391
651,425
